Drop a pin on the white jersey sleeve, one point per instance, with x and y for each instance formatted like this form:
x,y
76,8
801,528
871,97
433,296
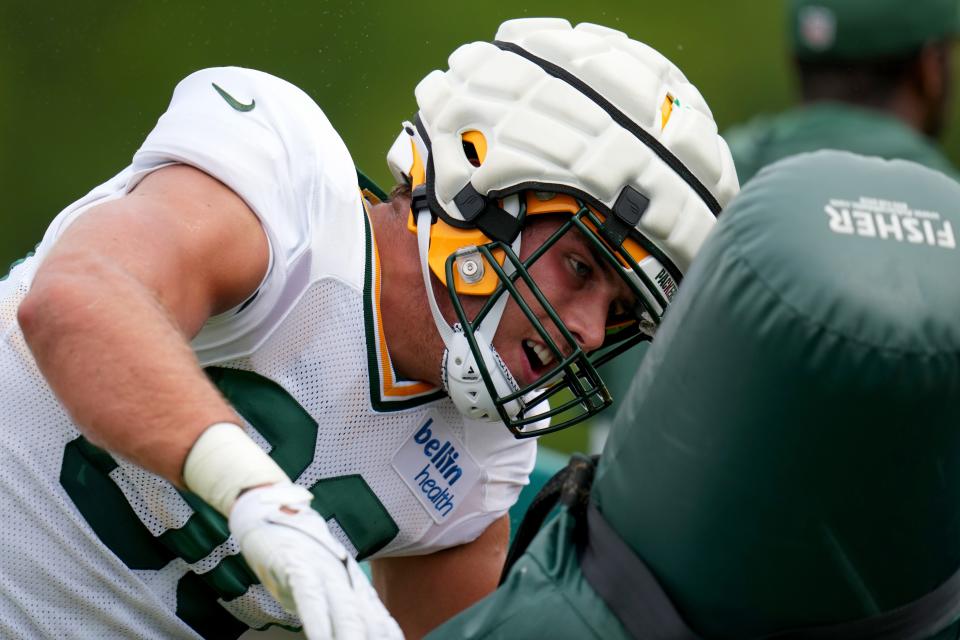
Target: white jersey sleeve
x,y
271,144
258,134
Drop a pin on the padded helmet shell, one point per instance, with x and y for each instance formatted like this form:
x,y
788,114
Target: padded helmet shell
x,y
542,130
550,108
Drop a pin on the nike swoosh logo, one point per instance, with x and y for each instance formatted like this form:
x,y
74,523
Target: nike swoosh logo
x,y
233,102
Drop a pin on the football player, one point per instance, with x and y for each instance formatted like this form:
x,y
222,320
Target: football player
x,y
228,372
873,79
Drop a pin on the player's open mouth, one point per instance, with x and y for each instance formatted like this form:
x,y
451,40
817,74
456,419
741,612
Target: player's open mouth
x,y
539,356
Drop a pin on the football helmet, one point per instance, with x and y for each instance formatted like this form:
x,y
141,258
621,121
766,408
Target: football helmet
x,y
552,119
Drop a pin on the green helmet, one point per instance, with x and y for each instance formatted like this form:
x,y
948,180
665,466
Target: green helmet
x,y
846,30
797,463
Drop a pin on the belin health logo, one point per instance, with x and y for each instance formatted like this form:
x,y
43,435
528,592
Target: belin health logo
x,y
436,467
441,469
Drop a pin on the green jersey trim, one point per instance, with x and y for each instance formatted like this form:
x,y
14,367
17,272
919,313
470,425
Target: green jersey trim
x,y
388,391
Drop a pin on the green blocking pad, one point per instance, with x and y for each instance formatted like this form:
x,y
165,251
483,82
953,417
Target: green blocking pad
x,y
789,454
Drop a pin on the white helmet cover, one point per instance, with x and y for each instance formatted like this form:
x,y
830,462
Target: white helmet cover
x,y
584,111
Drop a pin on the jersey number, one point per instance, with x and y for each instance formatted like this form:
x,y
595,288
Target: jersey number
x,y
292,434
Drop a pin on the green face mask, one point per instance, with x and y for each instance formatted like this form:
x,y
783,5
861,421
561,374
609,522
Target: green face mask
x,y
572,380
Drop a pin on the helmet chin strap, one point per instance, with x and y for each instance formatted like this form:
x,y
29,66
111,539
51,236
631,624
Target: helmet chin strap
x,y
459,371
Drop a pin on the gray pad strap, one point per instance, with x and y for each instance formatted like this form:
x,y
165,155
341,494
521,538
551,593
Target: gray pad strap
x,y
627,586
632,592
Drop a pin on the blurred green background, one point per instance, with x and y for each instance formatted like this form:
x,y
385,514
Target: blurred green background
x,y
83,82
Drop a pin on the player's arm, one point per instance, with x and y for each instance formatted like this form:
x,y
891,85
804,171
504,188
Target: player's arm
x,y
421,592
109,318
112,309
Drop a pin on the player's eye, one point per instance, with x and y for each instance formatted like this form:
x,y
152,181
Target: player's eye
x,y
620,315
580,268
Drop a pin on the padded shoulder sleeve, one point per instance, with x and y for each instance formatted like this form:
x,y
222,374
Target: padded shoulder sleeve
x,y
271,144
262,137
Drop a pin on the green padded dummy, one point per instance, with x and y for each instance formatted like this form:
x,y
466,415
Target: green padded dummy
x,y
790,452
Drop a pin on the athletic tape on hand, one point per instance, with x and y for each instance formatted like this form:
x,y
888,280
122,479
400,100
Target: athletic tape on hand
x,y
223,462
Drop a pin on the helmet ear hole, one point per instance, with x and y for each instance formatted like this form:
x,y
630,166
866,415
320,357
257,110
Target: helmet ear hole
x,y
474,147
470,151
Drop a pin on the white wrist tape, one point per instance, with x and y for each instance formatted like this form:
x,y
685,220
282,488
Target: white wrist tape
x,y
223,462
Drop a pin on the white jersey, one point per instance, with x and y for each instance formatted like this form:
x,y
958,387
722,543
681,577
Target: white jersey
x,y
96,547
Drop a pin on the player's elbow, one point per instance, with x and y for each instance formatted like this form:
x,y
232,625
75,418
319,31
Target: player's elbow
x,y
57,297
39,310
28,314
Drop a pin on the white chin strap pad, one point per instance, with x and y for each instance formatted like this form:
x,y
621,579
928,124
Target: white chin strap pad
x,y
464,384
459,371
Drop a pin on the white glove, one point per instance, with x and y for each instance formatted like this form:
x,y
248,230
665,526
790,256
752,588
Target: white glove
x,y
290,548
